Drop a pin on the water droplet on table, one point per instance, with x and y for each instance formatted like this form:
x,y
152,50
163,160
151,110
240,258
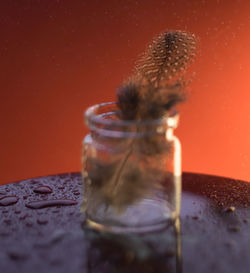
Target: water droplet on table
x,y
43,189
7,222
29,224
50,203
42,221
8,200
17,255
24,216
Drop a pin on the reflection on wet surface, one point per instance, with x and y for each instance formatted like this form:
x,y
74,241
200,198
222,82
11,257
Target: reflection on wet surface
x,y
148,253
214,235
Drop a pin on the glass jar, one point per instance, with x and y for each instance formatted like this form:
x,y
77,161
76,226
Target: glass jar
x,y
131,171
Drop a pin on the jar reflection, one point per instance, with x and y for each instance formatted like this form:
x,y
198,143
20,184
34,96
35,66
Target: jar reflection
x,y
127,253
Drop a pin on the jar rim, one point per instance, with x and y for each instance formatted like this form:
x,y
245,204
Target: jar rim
x,y
92,117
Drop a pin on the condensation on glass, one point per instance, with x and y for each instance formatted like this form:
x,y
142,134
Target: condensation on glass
x,y
131,171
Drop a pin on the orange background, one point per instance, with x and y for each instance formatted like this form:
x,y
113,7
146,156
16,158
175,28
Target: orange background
x,y
58,57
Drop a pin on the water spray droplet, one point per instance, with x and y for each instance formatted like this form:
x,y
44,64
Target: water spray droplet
x,y
8,200
43,189
50,203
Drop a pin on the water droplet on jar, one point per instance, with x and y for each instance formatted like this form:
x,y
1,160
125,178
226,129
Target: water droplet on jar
x,y
50,203
43,189
8,200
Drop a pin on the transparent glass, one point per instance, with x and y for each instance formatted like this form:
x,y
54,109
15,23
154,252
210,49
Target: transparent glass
x,y
131,171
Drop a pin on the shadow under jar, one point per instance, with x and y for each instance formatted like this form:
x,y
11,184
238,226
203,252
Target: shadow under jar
x,y
131,171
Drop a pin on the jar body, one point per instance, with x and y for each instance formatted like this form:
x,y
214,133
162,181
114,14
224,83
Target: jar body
x,y
132,174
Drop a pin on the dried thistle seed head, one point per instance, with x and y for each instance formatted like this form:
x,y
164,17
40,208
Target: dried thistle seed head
x,y
154,102
154,146
158,83
148,102
167,56
128,100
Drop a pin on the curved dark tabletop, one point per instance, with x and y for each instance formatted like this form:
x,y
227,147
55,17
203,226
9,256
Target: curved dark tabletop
x,y
49,236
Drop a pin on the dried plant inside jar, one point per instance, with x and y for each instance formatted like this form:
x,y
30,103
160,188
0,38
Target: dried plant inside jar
x,y
156,86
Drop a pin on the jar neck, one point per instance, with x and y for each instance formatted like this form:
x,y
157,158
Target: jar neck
x,y
103,119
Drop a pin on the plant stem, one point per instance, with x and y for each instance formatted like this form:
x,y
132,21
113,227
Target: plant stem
x,y
116,178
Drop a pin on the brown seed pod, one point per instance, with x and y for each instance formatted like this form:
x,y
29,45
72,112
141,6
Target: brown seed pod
x,y
166,57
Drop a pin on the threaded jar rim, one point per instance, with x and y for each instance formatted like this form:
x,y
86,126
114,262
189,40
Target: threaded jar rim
x,y
104,119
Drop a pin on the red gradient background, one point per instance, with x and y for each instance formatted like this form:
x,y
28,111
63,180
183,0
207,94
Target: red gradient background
x,y
58,57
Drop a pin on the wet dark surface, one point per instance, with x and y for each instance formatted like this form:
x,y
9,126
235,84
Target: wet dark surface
x,y
214,236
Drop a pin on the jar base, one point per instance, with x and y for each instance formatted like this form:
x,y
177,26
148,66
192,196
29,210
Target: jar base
x,y
130,229
146,216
